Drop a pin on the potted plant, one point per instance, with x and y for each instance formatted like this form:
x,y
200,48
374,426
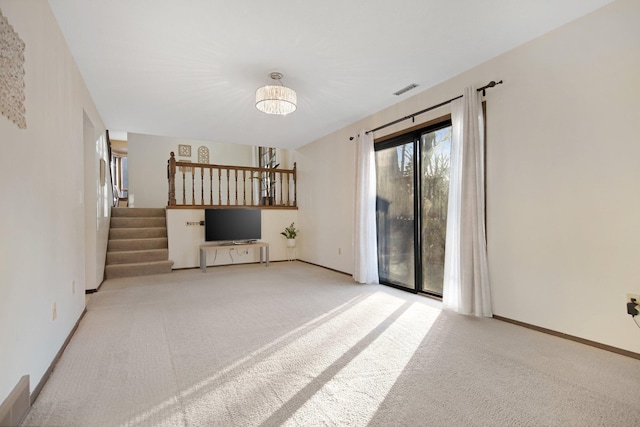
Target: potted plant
x,y
290,233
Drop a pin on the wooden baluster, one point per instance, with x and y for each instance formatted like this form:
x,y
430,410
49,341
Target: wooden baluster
x,y
271,194
295,189
211,186
219,186
201,186
236,187
288,187
244,187
281,200
193,186
171,176
184,188
228,190
251,188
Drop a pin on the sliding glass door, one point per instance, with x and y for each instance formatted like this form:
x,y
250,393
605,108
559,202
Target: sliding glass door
x,y
413,191
395,213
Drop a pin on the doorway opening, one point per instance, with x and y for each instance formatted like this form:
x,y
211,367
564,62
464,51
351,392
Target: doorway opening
x,y
120,169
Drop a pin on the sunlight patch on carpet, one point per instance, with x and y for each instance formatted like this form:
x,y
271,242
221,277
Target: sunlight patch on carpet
x,y
291,377
353,395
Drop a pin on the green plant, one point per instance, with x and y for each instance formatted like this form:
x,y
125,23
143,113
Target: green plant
x,y
290,232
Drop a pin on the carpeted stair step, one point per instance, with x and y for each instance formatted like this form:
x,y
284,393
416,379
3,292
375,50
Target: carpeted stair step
x,y
138,243
137,212
137,269
137,233
129,257
116,245
137,222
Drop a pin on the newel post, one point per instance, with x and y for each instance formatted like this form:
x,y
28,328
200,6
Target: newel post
x,y
171,176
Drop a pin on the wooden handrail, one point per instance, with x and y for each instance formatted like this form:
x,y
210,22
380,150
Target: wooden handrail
x,y
267,187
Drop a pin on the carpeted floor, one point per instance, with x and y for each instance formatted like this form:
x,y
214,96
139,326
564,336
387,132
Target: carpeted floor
x,y
299,345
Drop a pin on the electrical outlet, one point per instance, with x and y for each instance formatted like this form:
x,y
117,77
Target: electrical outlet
x,y
339,251
633,303
55,311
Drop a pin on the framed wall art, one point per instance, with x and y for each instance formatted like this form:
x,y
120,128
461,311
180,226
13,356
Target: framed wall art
x,y
12,74
184,150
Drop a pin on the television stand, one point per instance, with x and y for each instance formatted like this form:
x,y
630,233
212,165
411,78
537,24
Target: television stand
x,y
234,245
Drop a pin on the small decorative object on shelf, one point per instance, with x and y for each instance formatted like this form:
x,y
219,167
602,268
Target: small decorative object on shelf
x,y
290,233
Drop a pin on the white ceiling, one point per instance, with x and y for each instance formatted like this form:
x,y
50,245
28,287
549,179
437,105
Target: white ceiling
x,y
190,68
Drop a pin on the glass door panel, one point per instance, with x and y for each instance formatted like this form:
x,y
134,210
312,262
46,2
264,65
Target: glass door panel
x,y
435,153
395,214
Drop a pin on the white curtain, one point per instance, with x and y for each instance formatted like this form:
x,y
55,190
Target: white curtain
x,y
365,241
466,275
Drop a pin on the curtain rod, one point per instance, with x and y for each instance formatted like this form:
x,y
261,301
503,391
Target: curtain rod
x,y
411,116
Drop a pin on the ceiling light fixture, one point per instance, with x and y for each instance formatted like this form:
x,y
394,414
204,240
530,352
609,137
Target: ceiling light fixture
x,y
276,98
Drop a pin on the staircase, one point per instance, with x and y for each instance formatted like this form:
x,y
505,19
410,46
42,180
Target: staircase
x,y
137,243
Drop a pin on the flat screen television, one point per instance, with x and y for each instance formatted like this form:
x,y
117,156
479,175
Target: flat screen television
x,y
237,225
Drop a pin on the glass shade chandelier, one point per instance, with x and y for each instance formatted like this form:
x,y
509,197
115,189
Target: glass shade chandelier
x,y
276,98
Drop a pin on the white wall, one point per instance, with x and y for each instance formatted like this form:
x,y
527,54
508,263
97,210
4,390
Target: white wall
x,y
184,240
563,178
42,251
103,201
148,155
326,191
563,199
97,201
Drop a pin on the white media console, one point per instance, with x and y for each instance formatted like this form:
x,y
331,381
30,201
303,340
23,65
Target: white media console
x,y
212,246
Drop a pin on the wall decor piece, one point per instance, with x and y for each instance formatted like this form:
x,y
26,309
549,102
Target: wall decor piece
x,y
186,169
184,150
12,74
203,154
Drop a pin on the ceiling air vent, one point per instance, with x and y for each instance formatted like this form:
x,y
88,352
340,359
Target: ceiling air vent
x,y
405,89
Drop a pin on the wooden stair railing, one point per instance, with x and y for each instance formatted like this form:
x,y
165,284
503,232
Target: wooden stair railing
x,y
205,185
